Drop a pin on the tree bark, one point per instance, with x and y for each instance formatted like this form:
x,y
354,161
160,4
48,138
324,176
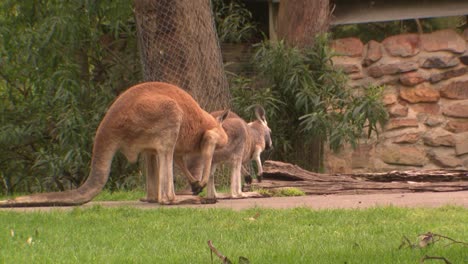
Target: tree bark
x,y
179,45
300,20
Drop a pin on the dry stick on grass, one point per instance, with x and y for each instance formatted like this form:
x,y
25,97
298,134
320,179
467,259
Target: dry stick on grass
x,y
427,239
436,237
438,258
217,253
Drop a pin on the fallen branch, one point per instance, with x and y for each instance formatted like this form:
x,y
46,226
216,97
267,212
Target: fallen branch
x,y
217,253
438,258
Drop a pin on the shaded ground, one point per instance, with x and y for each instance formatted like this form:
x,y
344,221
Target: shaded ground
x,y
417,188
425,199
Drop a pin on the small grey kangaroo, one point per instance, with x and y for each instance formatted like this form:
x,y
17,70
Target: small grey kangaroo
x,y
246,141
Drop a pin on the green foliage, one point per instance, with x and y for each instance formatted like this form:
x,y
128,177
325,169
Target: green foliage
x,y
177,235
380,30
62,63
233,21
281,192
307,99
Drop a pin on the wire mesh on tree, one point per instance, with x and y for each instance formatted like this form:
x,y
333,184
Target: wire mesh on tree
x,y
179,45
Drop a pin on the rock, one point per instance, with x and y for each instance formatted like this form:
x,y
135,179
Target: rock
x,y
448,74
433,120
455,90
352,47
457,109
420,93
346,64
404,155
409,138
465,34
373,54
361,156
389,99
356,76
457,126
401,123
464,58
389,68
413,78
439,137
398,110
443,40
461,143
439,62
334,164
444,160
405,45
427,108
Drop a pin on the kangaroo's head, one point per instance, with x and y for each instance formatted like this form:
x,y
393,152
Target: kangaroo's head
x,y
222,136
261,126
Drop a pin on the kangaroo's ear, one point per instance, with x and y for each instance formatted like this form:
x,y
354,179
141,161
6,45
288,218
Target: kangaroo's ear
x,y
223,116
260,114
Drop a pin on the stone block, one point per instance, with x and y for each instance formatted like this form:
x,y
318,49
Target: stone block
x,y
398,123
346,64
352,47
407,138
373,53
457,126
403,155
361,156
455,90
426,108
389,68
439,137
398,110
389,99
419,94
461,143
432,120
448,74
439,62
413,78
464,58
443,40
444,160
405,45
457,109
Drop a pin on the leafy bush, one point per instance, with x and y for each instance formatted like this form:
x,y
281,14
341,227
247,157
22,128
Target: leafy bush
x,y
62,65
233,21
308,101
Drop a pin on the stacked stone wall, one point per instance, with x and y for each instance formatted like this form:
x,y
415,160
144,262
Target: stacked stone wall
x,y
426,96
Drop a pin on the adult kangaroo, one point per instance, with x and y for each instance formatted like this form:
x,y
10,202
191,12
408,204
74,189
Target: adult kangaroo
x,y
245,143
152,117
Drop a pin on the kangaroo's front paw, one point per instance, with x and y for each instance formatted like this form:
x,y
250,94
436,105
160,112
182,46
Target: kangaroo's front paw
x,y
260,178
196,188
248,179
209,200
148,200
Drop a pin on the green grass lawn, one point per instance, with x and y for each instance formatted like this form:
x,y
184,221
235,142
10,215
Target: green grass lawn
x,y
178,235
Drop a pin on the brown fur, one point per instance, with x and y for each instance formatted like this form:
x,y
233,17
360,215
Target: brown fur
x,y
157,119
245,143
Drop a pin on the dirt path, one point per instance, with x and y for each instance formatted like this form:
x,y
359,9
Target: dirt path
x,y
426,199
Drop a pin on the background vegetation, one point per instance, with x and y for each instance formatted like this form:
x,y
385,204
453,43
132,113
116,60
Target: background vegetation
x,y
63,62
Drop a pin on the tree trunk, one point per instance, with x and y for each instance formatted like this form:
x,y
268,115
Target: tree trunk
x,y
300,20
179,45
